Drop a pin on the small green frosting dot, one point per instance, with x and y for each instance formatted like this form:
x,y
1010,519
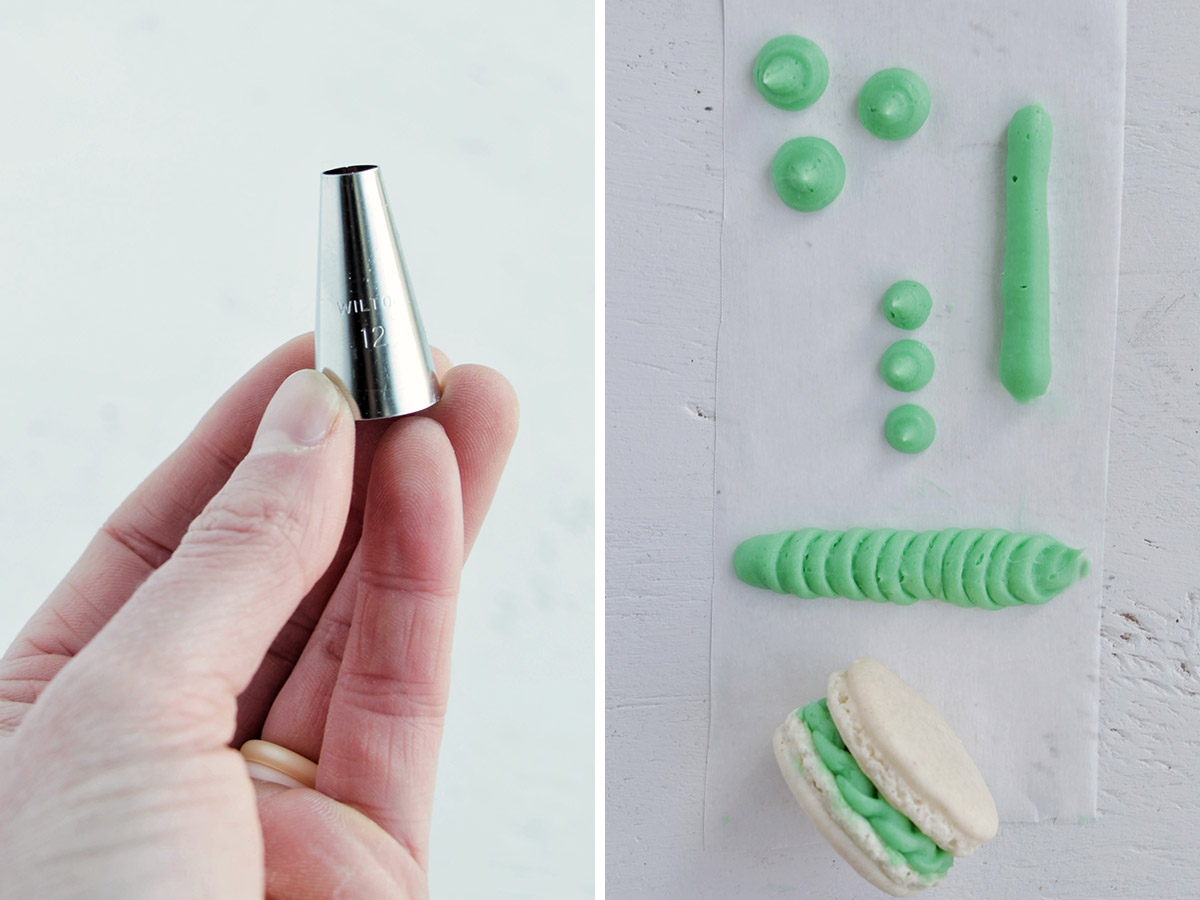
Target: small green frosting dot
x,y
791,72
907,304
907,365
909,428
893,104
808,173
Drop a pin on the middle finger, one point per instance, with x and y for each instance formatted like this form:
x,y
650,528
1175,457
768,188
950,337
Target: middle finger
x,y
255,702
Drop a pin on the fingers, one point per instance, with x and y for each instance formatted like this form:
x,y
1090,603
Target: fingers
x,y
148,526
384,726
187,642
441,363
316,848
257,700
478,412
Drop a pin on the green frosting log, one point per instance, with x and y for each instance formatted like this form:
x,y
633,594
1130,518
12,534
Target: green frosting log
x,y
894,828
1025,282
984,568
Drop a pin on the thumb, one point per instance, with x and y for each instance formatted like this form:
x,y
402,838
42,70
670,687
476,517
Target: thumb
x,y
191,637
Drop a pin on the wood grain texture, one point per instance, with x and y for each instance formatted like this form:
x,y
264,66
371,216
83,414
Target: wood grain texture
x,y
663,275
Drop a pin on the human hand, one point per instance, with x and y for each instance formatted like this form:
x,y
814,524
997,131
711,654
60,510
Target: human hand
x,y
302,588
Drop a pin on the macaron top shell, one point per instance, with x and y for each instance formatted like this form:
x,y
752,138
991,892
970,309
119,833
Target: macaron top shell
x,y
905,747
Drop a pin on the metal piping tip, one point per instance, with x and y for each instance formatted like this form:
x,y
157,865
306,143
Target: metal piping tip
x,y
369,338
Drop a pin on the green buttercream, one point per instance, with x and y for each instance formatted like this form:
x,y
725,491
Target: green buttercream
x,y
816,564
984,568
975,567
866,564
808,173
907,304
909,428
790,569
894,104
912,567
887,569
906,365
1025,282
791,72
933,560
954,561
893,827
840,567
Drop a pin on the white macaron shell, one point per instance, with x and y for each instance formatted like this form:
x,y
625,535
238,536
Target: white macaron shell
x,y
912,756
813,785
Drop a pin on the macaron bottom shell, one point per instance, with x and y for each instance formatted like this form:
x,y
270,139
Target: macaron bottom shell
x,y
815,789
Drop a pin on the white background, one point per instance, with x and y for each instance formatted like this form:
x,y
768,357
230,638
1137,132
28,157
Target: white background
x,y
664,68
159,174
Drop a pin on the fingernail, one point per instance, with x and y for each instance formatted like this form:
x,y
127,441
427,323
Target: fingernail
x,y
301,413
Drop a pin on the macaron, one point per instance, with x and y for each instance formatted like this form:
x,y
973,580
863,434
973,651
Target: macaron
x,y
884,779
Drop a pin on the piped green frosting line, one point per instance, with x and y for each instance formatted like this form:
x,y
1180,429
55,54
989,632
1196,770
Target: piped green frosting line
x,y
1025,282
988,569
894,828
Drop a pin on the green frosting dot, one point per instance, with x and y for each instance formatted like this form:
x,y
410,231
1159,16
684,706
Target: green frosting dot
x,y
791,72
893,104
907,304
909,428
808,173
907,365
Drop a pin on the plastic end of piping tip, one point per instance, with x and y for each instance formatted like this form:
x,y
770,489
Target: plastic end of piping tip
x,y
369,337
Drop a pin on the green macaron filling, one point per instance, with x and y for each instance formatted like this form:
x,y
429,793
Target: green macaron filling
x,y
894,828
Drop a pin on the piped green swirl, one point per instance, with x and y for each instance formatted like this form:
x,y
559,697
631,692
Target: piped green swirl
x,y
988,569
791,72
894,104
808,173
893,827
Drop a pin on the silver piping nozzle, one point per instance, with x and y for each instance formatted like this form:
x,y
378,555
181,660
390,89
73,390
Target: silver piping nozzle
x,y
369,338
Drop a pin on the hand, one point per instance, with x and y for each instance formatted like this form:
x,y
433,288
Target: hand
x,y
297,583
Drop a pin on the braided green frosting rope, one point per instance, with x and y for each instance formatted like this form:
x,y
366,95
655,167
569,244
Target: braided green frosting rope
x,y
987,568
893,827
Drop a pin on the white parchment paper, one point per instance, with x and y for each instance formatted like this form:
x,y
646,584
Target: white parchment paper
x,y
801,405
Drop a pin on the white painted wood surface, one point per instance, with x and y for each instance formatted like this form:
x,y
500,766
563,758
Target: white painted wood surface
x,y
663,237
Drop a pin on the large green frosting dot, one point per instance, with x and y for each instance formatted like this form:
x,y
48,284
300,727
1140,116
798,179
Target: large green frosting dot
x,y
907,365
893,104
909,428
791,72
808,173
907,304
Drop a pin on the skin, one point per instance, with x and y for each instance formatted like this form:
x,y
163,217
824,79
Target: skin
x,y
304,593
